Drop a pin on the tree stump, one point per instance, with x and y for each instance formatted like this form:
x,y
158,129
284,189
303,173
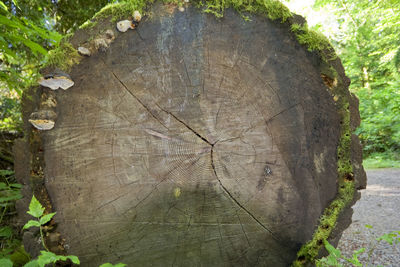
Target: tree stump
x,y
189,141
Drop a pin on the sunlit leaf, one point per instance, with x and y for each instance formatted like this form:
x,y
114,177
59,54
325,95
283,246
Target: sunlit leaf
x,y
35,208
31,223
46,218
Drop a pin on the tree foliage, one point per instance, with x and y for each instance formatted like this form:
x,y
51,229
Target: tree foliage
x,y
368,44
28,29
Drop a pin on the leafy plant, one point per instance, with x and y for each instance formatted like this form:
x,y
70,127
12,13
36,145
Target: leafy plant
x,y
9,192
46,257
335,257
37,211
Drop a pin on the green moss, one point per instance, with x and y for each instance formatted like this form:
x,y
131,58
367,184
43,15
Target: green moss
x,y
314,41
63,57
117,11
273,9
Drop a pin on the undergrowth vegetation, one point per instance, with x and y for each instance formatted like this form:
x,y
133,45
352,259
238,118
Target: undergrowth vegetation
x,y
336,257
46,257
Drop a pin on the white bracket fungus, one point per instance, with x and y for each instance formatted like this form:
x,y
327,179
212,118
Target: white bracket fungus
x,y
43,119
57,80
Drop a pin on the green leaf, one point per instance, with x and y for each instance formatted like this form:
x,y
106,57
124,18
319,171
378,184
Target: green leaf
x,y
12,196
111,265
3,6
33,263
6,232
46,218
6,172
3,186
74,259
47,257
31,223
368,226
332,250
6,262
15,185
35,208
386,237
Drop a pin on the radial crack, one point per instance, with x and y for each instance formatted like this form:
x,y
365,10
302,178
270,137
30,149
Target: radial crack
x,y
134,96
235,200
187,126
280,112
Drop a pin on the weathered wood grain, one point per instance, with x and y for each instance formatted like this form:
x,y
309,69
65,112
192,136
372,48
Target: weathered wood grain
x,y
193,141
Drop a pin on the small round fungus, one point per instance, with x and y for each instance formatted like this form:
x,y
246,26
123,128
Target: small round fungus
x,y
84,51
125,25
137,16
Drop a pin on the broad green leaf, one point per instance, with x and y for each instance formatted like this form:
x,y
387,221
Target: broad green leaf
x,y
6,232
6,262
46,257
33,263
35,208
46,218
9,22
31,223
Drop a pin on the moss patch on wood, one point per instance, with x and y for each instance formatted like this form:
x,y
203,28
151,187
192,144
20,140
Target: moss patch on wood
x,y
63,57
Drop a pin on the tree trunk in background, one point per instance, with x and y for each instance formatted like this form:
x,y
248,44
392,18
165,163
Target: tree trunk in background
x,y
192,141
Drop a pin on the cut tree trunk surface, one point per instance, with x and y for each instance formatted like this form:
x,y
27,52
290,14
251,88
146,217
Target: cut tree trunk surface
x,y
193,141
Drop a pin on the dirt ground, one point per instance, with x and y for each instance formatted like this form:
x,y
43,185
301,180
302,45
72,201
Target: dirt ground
x,y
379,206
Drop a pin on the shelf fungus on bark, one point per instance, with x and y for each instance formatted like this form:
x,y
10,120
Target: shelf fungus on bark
x,y
43,119
57,80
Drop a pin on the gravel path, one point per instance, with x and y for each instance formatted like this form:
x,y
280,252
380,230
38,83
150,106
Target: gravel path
x,y
379,206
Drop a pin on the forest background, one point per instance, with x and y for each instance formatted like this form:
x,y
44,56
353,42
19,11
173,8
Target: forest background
x,y
364,33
